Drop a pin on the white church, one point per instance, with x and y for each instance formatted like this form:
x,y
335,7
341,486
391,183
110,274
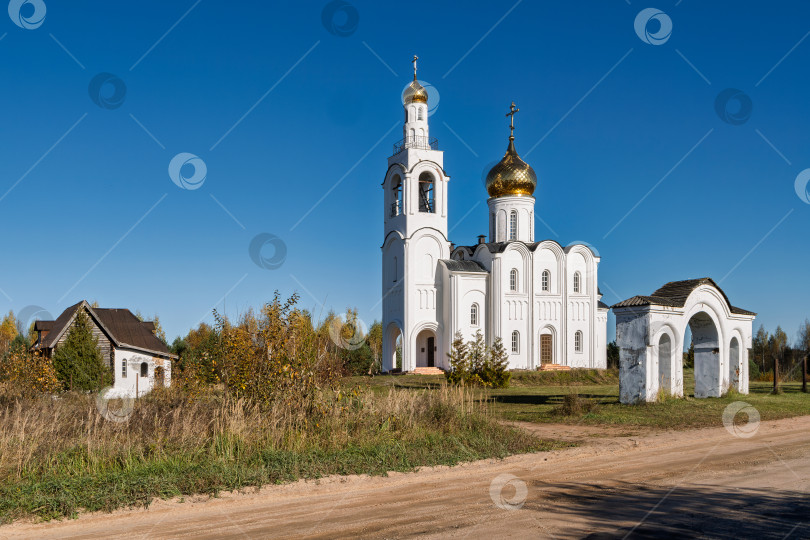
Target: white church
x,y
540,298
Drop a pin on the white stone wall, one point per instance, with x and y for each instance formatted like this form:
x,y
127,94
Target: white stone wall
x,y
125,385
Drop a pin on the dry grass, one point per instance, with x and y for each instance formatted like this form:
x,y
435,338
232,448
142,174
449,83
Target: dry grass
x,y
60,455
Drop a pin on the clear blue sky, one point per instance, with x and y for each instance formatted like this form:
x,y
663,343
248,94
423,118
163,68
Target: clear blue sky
x,y
91,212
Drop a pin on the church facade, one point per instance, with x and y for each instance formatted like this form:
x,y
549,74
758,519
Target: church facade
x,y
540,298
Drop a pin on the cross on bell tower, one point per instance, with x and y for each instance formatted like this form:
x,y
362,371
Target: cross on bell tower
x,y
415,58
511,115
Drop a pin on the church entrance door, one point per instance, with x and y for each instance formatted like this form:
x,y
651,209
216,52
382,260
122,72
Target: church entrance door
x,y
546,354
431,349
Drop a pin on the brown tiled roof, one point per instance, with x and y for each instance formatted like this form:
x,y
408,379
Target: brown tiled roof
x,y
43,326
122,327
59,325
675,293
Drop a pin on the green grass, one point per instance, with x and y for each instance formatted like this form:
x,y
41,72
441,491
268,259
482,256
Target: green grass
x,y
539,397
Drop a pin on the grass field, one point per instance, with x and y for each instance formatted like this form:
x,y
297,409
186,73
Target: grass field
x,y
543,397
59,457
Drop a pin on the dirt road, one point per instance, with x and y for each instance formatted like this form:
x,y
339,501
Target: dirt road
x,y
705,483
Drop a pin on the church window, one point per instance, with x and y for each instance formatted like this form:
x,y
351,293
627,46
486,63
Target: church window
x,y
420,113
577,284
144,369
394,269
513,279
513,225
515,342
578,341
396,190
474,315
124,368
427,201
544,281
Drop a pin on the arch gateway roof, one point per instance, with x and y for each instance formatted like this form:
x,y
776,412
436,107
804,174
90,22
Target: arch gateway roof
x,y
675,293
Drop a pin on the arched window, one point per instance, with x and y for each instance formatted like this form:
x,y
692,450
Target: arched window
x,y
515,342
420,113
577,282
396,193
394,269
513,279
427,202
474,315
513,225
124,369
545,280
577,341
144,369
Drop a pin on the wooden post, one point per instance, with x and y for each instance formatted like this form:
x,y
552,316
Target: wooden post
x,y
804,374
775,374
136,385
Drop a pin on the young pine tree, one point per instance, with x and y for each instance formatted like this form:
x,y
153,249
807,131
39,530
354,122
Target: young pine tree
x,y
497,368
79,358
459,361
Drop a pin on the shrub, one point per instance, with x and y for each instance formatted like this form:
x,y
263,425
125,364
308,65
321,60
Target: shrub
x,y
574,405
23,374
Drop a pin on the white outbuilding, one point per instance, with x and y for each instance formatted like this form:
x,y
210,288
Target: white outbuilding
x,y
650,336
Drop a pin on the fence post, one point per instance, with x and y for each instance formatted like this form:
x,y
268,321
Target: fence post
x,y
804,374
775,374
136,386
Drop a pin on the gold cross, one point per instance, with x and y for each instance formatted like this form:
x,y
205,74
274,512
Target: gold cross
x,y
415,58
511,115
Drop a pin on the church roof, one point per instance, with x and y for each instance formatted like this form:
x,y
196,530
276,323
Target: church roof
x,y
500,247
603,305
464,266
675,293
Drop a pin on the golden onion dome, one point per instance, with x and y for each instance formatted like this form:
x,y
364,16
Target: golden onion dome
x,y
415,92
511,176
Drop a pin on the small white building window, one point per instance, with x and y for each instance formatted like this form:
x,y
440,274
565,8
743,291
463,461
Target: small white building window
x,y
420,113
513,225
513,279
577,284
144,369
578,341
545,280
474,315
515,342
124,368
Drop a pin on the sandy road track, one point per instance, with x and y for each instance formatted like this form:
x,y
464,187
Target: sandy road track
x,y
700,483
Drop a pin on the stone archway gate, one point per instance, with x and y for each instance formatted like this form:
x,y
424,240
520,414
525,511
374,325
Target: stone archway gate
x,y
650,336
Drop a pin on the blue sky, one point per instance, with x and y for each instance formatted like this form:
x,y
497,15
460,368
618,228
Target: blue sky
x,y
633,157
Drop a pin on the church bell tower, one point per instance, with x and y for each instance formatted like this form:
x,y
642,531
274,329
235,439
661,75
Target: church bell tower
x,y
415,238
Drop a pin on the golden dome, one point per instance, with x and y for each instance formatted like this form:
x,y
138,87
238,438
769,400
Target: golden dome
x,y
415,92
511,176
